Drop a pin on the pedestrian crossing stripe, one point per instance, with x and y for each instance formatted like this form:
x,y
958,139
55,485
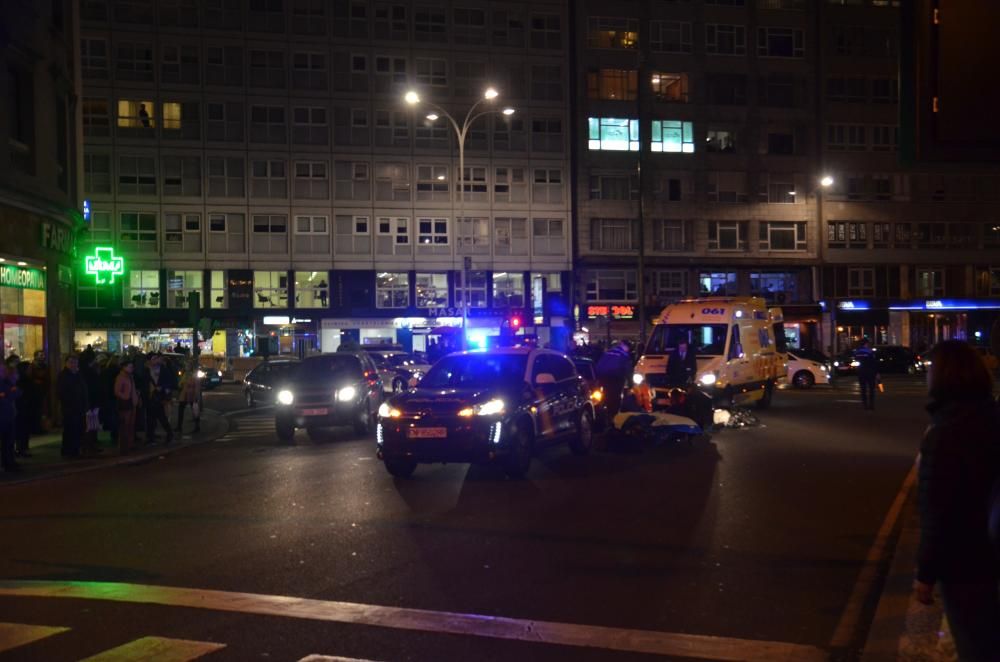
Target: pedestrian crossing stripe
x,y
13,635
157,649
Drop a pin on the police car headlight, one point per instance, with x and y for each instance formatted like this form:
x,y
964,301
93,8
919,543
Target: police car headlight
x,y
836,364
637,378
707,379
347,394
201,374
855,364
385,411
492,407
285,397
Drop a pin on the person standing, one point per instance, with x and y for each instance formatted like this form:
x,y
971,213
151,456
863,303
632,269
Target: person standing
x,y
613,371
109,405
29,409
867,372
959,461
8,413
126,402
682,365
189,395
72,393
160,392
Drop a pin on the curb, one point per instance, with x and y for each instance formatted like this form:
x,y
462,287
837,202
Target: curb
x,y
136,459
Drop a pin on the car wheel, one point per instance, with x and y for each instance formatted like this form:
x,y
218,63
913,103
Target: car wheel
x,y
249,398
285,430
365,425
803,379
519,460
584,439
400,468
765,402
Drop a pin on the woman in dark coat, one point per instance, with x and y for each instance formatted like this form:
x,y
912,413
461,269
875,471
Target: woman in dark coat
x,y
959,460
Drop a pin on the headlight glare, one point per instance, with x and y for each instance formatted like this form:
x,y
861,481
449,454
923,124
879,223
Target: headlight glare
x,y
201,374
491,407
637,378
347,394
285,397
707,379
385,411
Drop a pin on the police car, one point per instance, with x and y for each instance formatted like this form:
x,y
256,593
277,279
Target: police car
x,y
498,405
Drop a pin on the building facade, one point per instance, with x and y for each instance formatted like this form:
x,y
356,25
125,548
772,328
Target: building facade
x,y
261,155
703,131
38,177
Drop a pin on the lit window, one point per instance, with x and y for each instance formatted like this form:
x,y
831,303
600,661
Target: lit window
x,y
614,134
672,136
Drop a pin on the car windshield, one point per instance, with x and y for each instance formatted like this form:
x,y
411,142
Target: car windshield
x,y
283,370
403,360
586,369
335,366
706,339
476,370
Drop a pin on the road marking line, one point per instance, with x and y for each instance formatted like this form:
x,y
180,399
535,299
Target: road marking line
x,y
157,649
851,615
332,658
13,635
422,620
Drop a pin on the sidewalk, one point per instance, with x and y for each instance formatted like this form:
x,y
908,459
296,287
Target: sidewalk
x,y
46,460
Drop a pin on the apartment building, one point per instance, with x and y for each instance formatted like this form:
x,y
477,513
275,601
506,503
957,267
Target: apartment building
x,y
703,132
260,154
38,182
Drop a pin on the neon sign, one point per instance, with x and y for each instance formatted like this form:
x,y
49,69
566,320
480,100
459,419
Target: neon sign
x,y
620,312
103,265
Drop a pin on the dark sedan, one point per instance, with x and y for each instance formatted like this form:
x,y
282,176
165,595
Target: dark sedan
x,y
497,405
329,390
263,382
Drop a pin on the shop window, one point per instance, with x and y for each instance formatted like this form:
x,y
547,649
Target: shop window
x,y
717,282
218,292
23,301
142,289
181,233
613,134
311,289
392,289
511,236
432,290
353,235
138,232
392,235
548,236
508,290
860,282
672,136
270,234
180,286
474,293
270,289
612,285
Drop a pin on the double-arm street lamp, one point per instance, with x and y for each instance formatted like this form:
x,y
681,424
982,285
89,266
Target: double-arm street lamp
x,y
461,132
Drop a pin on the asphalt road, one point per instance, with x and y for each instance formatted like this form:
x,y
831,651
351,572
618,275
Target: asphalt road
x,y
747,545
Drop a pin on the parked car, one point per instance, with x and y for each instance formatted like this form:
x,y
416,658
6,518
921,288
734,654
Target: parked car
x,y
897,359
586,368
845,363
498,405
263,382
404,370
807,368
329,390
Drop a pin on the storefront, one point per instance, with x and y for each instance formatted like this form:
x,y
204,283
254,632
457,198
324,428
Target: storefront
x,y
606,322
22,309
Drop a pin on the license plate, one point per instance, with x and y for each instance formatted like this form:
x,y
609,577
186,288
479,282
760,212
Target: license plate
x,y
427,433
322,411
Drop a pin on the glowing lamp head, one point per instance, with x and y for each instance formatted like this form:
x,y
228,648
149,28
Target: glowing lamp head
x,y
508,111
826,181
412,98
433,117
491,93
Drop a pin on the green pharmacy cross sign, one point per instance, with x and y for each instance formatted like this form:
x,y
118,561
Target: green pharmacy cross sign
x,y
104,266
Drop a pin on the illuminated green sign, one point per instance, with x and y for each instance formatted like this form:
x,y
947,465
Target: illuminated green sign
x,y
104,266
21,277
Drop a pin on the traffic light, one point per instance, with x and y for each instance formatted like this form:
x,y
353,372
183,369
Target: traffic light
x,y
515,323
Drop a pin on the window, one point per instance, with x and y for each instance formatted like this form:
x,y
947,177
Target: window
x,y
142,289
96,173
546,82
717,282
726,89
430,24
392,290
311,289
270,289
309,126
312,235
267,124
390,73
782,236
720,140
432,236
391,22
225,121
182,176
725,39
548,236
393,235
962,235
847,89
546,31
608,133
780,188
614,187
849,234
474,293
136,119
670,36
860,282
772,285
351,19
134,62
181,120
881,235
850,137
266,16
547,188
136,175
994,282
224,65
469,25
267,69
432,290
431,71
181,285
511,236
270,234
432,183
930,282
780,42
352,180
473,186
96,121
309,71
94,59
225,233
884,138
727,235
885,90
268,179
180,64
473,236
392,128
309,17
781,142
991,234
613,234
469,77
669,235
611,285
100,230
392,182
613,84
225,177
612,32
508,28
312,180
672,136
432,135
781,91
930,235
509,185
21,95
353,235
727,187
181,233
669,87
138,232
672,187
669,285
508,290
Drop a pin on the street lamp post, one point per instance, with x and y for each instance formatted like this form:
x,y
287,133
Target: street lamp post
x,y
461,131
825,182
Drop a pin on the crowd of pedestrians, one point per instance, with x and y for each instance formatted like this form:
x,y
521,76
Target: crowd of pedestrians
x,y
129,396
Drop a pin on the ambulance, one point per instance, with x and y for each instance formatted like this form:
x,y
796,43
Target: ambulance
x,y
739,344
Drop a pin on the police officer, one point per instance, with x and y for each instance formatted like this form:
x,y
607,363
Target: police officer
x,y
867,373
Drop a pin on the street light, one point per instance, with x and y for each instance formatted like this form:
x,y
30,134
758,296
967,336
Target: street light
x,y
826,181
461,131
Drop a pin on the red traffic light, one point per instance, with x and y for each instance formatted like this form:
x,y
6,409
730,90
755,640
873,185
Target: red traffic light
x,y
515,322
